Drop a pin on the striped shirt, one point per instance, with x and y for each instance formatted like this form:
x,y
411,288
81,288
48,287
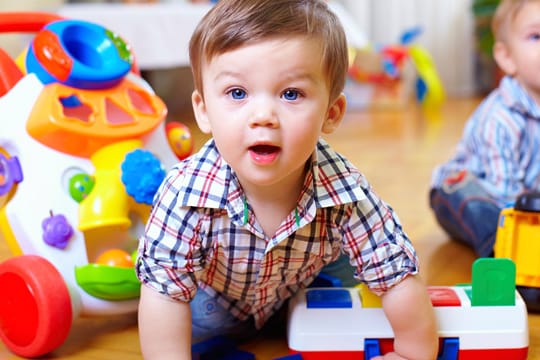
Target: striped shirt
x,y
500,144
196,237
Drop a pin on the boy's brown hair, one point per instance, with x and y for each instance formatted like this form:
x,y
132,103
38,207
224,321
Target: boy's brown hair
x,y
504,16
231,24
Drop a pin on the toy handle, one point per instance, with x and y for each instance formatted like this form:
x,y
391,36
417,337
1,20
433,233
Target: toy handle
x,y
10,73
25,21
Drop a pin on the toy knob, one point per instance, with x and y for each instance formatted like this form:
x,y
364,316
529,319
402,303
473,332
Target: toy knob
x,y
56,231
142,174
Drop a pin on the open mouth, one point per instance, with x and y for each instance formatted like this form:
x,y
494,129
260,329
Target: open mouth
x,y
264,149
264,153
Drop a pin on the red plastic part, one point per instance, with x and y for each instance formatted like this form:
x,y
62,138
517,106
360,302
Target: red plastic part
x,y
326,355
10,73
494,354
51,55
441,296
485,354
25,21
35,306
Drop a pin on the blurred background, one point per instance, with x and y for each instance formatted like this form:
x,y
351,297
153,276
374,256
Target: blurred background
x,y
455,34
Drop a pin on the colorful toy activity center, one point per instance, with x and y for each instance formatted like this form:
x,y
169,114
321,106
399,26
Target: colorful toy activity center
x,y
485,320
83,148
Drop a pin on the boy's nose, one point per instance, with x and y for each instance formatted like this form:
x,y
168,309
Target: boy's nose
x,y
264,114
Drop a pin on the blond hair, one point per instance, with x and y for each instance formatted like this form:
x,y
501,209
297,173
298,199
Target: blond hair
x,y
504,16
231,24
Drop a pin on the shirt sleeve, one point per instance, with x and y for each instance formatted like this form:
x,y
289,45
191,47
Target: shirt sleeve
x,y
495,142
169,252
490,150
380,250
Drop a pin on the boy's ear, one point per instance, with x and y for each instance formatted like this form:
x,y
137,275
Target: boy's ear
x,y
199,110
503,57
335,114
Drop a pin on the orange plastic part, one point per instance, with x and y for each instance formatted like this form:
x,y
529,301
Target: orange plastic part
x,y
80,122
115,257
36,312
179,139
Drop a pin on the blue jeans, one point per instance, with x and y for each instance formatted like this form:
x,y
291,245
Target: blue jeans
x,y
467,213
210,319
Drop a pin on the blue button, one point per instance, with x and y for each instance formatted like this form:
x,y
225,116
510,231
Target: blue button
x,y
328,298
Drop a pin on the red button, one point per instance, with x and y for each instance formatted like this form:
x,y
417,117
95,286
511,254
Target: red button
x,y
443,296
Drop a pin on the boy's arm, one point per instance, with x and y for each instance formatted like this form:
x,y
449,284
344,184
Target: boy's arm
x,y
164,326
408,308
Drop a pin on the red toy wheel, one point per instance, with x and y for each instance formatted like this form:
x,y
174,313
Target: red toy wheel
x,y
35,306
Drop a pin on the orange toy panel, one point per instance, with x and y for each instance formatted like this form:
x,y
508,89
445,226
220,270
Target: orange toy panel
x,y
79,122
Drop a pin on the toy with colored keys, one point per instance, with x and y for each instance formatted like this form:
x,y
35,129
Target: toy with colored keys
x,y
486,320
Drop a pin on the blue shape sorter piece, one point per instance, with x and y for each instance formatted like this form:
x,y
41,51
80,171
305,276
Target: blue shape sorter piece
x,y
328,298
372,348
450,349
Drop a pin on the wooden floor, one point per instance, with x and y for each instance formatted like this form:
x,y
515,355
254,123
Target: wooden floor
x,y
396,150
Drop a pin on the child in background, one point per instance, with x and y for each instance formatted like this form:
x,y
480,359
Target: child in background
x,y
498,156
266,204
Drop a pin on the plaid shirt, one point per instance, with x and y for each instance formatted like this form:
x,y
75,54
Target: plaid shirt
x,y
500,144
196,237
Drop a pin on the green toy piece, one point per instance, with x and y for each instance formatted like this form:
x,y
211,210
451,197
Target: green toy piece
x,y
494,282
108,282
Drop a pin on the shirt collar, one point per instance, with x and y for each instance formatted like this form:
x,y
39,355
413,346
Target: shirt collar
x,y
211,182
516,97
331,181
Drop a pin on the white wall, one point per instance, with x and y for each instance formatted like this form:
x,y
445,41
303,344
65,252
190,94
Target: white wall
x,y
448,28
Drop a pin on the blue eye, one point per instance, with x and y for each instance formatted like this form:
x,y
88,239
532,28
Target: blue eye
x,y
237,94
535,36
290,95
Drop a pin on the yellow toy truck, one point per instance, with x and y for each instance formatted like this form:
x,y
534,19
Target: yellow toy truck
x,y
518,238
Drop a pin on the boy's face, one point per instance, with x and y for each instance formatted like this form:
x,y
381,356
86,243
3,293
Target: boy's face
x,y
266,104
519,56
